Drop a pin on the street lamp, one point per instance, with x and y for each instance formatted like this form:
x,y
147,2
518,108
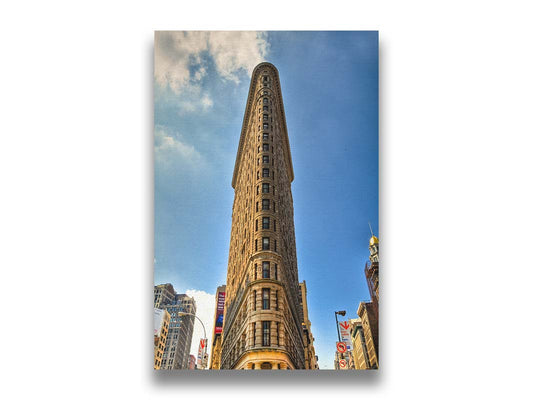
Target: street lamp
x,y
181,314
343,313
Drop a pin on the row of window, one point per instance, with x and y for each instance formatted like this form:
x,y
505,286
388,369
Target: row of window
x,y
265,136
266,160
265,270
266,244
265,225
265,205
265,188
265,147
265,299
265,333
266,173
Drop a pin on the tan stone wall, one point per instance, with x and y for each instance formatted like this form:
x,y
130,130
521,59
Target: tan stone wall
x,y
160,342
246,254
370,331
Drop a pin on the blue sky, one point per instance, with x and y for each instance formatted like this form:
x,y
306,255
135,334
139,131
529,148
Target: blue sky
x,y
329,83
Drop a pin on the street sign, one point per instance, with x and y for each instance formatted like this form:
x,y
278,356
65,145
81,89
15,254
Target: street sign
x,y
202,347
343,364
341,347
344,327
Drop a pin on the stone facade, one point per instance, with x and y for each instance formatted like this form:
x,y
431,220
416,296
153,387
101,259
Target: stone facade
x,y
160,339
311,360
262,321
369,322
360,352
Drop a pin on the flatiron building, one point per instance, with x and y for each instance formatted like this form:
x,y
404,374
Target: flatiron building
x,y
262,316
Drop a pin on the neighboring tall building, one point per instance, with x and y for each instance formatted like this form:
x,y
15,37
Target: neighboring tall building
x,y
178,343
369,311
372,270
217,328
369,322
311,359
262,318
161,324
360,352
163,294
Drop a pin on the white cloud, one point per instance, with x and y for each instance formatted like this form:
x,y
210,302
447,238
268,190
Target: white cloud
x,y
205,310
170,149
206,102
174,54
181,60
235,51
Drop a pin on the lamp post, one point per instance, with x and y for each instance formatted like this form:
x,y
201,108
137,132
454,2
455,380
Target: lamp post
x,y
341,356
343,313
181,314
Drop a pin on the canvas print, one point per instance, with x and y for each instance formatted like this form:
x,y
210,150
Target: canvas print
x,y
266,249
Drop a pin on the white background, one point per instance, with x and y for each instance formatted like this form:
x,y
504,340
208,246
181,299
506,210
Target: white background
x,y
76,219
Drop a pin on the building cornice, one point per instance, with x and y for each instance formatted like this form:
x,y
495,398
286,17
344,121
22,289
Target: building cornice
x,y
249,107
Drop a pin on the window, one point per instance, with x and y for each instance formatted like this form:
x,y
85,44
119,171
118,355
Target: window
x,y
265,78
265,159
266,204
257,190
275,245
274,225
258,161
276,275
255,271
255,298
265,136
273,189
265,108
265,126
266,188
265,101
266,269
265,92
272,175
265,147
274,206
266,172
265,117
255,244
266,243
257,174
253,335
266,222
266,333
258,149
256,223
257,206
266,299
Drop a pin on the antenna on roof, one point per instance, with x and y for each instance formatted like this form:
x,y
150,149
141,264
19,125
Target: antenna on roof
x,y
370,226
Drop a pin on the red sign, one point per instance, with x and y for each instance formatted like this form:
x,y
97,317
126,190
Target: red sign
x,y
220,312
343,364
344,325
341,347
